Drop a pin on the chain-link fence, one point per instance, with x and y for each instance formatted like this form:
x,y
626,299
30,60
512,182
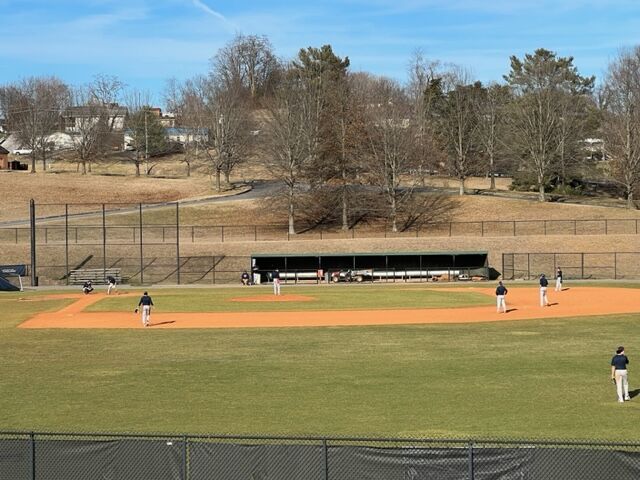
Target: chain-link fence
x,y
592,265
52,456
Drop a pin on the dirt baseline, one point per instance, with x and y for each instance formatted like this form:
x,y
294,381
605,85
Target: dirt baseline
x,y
521,302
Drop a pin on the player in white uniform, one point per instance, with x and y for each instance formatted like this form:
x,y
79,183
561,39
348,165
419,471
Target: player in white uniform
x,y
276,281
544,283
501,292
146,303
558,280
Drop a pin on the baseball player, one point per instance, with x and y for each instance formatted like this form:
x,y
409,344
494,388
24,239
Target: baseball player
x,y
619,364
501,292
275,276
111,282
146,303
87,287
558,280
544,283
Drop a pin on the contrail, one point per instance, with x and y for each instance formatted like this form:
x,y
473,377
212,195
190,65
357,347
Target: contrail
x,y
203,6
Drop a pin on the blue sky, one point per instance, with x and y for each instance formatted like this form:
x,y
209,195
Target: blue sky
x,y
145,42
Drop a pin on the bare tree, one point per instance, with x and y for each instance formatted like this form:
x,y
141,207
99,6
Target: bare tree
x,y
287,154
490,111
425,86
391,145
33,108
621,124
85,123
458,126
147,135
247,64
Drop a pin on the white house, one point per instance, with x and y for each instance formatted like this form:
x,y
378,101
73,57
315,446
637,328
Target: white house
x,y
76,117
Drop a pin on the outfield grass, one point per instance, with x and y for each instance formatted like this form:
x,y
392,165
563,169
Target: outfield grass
x,y
538,378
340,297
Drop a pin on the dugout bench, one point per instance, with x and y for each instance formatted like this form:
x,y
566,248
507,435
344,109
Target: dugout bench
x,y
98,276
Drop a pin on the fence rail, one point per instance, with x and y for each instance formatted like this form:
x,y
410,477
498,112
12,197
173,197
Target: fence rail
x,y
49,456
577,265
49,232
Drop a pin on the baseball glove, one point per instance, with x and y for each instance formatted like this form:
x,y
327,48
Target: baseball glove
x,y
135,311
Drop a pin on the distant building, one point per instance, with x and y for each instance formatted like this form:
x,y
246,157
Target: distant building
x,y
4,158
74,118
168,120
187,134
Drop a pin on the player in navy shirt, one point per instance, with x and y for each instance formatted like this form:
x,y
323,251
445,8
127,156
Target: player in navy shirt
x,y
619,364
501,292
544,283
146,303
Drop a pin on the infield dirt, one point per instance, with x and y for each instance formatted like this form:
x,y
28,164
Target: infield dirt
x,y
522,303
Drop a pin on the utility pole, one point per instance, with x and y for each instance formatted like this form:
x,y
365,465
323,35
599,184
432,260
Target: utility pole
x,y
146,144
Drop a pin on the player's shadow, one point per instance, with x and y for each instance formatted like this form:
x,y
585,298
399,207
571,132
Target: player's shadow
x,y
162,323
565,289
552,304
634,393
511,310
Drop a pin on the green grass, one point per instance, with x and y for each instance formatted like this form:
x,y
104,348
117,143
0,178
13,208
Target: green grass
x,y
331,298
526,379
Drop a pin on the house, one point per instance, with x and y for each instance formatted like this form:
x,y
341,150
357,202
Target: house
x,y
167,120
4,158
187,134
74,118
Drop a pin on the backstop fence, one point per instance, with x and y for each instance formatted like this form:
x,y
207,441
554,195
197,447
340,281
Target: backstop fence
x,y
592,265
54,456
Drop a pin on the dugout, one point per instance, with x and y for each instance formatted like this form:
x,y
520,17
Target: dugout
x,y
424,266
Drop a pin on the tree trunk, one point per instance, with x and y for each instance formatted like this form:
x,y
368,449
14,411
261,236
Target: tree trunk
x,y
394,220
84,167
89,169
292,229
345,210
137,163
218,179
461,186
188,169
630,203
492,178
33,163
541,197
227,178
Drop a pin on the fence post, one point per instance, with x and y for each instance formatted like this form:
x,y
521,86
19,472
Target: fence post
x,y
582,266
32,221
470,458
177,240
482,228
222,233
32,437
325,458
514,228
255,233
615,265
104,242
192,234
66,241
185,441
16,235
545,227
449,228
141,248
575,231
606,227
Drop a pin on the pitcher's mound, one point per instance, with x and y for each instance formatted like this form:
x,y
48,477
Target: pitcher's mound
x,y
274,298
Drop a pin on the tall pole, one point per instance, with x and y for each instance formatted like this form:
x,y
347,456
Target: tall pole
x,y
104,242
32,221
66,241
178,240
141,252
146,145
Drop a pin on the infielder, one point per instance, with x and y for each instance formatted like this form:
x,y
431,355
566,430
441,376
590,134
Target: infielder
x,y
544,283
619,364
146,303
275,276
111,282
558,280
501,292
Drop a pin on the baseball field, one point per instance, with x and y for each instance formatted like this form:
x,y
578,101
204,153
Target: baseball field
x,y
405,360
